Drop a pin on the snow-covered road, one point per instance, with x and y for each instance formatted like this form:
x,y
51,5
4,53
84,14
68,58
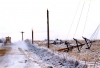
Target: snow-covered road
x,y
14,58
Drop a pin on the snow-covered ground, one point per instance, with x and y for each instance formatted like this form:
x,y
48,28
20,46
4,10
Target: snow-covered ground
x,y
14,58
51,58
26,55
89,57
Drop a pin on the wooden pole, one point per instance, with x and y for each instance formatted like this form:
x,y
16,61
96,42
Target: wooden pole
x,y
32,36
48,27
22,35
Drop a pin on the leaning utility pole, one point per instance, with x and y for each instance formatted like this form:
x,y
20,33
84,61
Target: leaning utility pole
x,y
48,27
32,36
22,35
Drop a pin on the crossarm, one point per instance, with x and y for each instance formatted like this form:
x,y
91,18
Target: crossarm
x,y
88,42
79,44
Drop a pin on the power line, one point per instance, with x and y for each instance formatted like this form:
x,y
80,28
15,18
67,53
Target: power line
x,y
86,18
73,19
79,19
94,35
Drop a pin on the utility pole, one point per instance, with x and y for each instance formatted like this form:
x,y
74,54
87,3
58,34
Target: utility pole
x,y
22,35
48,27
32,36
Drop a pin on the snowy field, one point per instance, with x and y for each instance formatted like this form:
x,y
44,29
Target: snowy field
x,y
91,57
23,54
52,58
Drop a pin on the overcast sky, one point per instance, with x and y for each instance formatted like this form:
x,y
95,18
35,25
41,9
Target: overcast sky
x,y
25,15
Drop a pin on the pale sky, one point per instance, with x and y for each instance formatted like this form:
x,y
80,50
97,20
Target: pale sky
x,y
23,15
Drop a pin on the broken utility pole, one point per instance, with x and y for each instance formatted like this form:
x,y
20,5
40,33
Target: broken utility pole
x,y
32,36
78,44
22,35
88,42
48,27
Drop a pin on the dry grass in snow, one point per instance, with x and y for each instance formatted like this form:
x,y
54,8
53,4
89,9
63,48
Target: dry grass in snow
x,y
53,58
89,55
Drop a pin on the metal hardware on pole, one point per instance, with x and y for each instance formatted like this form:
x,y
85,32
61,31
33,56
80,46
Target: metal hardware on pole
x,y
22,35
